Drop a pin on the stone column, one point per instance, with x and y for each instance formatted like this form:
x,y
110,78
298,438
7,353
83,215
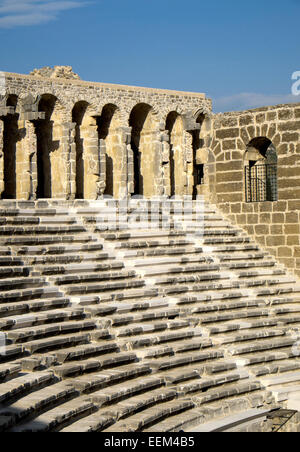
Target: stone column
x,y
92,155
159,188
189,163
26,161
126,173
166,173
70,144
130,163
1,158
101,183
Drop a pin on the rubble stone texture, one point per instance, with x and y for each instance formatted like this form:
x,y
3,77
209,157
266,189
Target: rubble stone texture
x,y
108,328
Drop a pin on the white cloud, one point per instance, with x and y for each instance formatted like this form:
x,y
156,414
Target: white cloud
x,y
245,101
14,13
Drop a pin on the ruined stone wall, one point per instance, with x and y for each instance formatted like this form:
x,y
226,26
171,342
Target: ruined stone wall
x,y
45,103
274,225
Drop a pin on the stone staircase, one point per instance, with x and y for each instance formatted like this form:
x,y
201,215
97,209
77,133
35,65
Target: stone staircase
x,y
123,326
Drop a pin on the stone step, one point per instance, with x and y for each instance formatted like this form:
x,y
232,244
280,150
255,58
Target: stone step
x,y
16,388
137,234
21,283
234,249
24,335
39,229
100,380
156,314
135,306
261,346
81,278
11,272
241,325
58,417
162,261
226,240
166,363
67,259
125,390
228,391
246,335
138,403
159,251
72,369
140,421
105,286
9,352
158,269
93,423
274,367
83,267
153,327
228,422
123,297
203,384
172,349
9,371
285,378
34,319
246,256
56,342
83,351
32,404
34,212
143,340
259,358
60,250
11,261
246,264
153,243
45,240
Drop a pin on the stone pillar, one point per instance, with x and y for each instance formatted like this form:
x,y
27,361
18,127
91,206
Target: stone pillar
x,y
158,164
70,143
130,163
126,165
92,154
1,158
166,173
189,163
101,184
26,164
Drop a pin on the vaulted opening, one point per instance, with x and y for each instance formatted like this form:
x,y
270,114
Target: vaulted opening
x,y
107,125
141,123
174,125
261,171
10,139
45,145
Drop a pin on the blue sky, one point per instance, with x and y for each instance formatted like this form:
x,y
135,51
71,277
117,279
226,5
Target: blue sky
x,y
242,54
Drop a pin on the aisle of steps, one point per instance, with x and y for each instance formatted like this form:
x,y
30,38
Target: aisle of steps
x,y
141,329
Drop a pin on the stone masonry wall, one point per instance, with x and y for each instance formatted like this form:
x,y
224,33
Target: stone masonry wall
x,y
274,225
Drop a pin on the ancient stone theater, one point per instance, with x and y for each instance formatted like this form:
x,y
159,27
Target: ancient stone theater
x,y
149,260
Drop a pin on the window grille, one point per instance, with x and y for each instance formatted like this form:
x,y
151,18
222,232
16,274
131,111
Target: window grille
x,y
261,183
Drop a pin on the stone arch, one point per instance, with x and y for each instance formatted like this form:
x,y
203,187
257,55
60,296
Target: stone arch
x,y
10,145
260,162
51,165
109,124
203,158
174,125
146,148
